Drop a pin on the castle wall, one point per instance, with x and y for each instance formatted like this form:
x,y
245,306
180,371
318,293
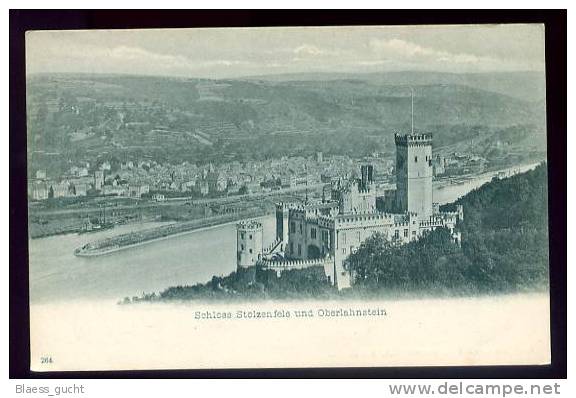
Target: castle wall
x,y
326,240
297,242
353,229
344,234
386,201
358,200
313,241
309,232
279,266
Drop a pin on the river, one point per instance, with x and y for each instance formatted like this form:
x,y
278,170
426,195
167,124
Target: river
x,y
57,275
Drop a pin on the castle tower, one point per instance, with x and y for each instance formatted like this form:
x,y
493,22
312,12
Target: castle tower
x,y
282,223
249,243
367,176
414,174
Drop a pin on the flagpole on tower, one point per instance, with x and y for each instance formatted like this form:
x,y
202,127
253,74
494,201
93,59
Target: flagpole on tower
x,y
306,168
412,111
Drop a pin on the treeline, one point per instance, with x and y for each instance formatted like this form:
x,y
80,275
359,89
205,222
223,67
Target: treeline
x,y
504,245
250,284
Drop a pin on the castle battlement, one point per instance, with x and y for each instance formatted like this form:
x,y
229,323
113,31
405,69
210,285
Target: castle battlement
x,y
325,221
309,212
294,264
413,139
249,225
299,212
311,219
367,190
432,223
364,220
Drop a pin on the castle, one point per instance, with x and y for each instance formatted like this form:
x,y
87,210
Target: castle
x,y
326,232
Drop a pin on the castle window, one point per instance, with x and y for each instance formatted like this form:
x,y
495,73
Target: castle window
x,y
250,250
405,233
344,237
396,234
250,236
358,233
344,250
242,235
291,247
300,225
299,249
416,159
242,247
292,227
313,233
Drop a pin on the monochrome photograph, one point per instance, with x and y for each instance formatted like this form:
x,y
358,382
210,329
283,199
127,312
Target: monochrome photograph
x,y
280,197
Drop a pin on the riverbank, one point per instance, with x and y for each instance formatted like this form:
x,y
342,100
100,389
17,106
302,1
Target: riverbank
x,y
490,173
136,239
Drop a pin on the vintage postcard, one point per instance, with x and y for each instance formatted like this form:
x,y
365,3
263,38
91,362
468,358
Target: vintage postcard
x,y
347,196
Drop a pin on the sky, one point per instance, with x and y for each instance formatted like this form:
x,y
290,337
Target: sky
x,y
236,52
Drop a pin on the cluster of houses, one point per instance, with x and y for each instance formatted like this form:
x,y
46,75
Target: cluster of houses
x,y
458,163
157,180
41,187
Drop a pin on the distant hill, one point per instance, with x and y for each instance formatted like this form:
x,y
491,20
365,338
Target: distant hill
x,y
213,120
528,86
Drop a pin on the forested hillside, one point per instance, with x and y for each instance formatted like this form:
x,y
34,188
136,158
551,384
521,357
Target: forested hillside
x,y
200,120
504,245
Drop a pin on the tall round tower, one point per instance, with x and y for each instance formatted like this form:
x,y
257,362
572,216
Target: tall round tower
x,y
249,243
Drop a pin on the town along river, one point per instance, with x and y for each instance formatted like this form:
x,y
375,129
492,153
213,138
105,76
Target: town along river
x,y
57,274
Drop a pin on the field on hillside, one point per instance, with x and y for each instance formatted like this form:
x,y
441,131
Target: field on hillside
x,y
199,120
